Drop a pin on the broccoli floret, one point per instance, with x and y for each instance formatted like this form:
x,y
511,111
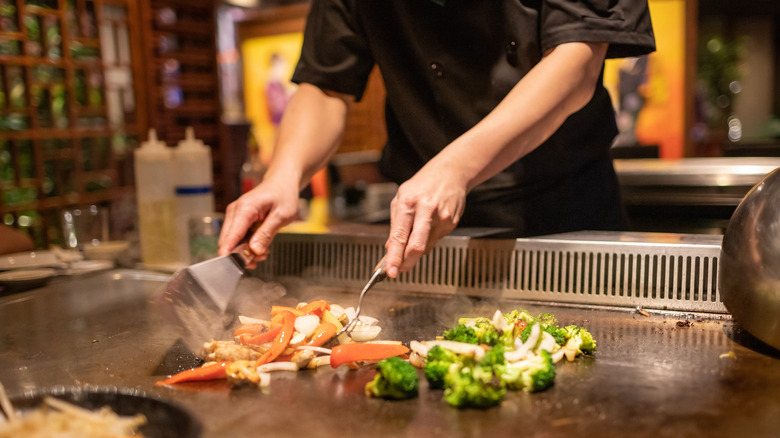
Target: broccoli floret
x,y
550,325
493,357
557,333
579,339
396,379
487,333
547,320
517,315
461,333
437,364
472,384
532,375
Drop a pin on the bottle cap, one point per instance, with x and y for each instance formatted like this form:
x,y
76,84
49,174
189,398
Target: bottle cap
x,y
153,147
190,141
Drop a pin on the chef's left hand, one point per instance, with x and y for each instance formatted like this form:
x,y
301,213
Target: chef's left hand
x,y
426,208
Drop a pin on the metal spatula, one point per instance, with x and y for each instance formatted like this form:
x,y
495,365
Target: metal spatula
x,y
379,274
197,298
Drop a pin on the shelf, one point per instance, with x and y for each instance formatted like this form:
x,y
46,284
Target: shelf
x,y
68,128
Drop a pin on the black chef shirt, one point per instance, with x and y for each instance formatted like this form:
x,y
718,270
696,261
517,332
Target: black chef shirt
x,y
445,67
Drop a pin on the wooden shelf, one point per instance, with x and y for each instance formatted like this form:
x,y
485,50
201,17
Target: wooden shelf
x,y
185,32
52,160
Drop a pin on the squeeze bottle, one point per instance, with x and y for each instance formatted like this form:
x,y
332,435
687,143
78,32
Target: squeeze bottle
x,y
156,205
193,185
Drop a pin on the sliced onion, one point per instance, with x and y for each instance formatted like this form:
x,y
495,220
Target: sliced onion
x,y
548,343
350,312
306,324
265,379
336,310
297,338
243,319
367,320
316,349
521,349
498,321
277,366
363,333
558,355
318,362
419,348
416,359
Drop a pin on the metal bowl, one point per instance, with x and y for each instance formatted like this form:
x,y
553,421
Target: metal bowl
x,y
749,274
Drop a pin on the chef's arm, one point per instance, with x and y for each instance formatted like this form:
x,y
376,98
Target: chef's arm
x,y
561,84
308,136
429,205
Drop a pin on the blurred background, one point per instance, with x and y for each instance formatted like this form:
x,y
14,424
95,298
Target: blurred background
x,y
83,81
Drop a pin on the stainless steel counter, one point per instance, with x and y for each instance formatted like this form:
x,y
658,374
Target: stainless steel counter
x,y
662,375
690,195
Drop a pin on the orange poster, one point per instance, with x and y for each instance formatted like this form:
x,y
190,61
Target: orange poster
x,y
269,62
649,92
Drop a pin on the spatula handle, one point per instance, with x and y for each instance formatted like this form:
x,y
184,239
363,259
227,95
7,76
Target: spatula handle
x,y
243,254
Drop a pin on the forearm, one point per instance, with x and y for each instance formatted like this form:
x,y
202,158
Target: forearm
x,y
562,83
309,134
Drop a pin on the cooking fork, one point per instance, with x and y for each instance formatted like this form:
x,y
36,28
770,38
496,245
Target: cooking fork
x,y
379,274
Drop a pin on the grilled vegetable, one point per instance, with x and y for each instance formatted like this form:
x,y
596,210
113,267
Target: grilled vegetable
x,y
360,352
532,375
282,338
475,384
437,364
462,333
579,339
396,379
484,329
556,332
517,352
213,371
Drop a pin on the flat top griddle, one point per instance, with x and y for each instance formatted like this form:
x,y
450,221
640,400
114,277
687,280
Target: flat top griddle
x,y
667,374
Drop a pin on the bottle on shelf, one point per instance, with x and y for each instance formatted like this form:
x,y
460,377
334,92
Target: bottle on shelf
x,y
193,185
156,202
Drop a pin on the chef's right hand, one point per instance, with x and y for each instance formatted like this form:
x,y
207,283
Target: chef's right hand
x,y
425,208
273,204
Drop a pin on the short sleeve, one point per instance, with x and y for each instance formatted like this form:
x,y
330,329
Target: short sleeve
x,y
624,24
334,55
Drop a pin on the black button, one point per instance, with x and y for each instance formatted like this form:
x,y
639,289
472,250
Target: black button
x,y
437,69
511,53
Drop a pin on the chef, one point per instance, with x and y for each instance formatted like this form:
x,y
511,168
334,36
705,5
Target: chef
x,y
496,116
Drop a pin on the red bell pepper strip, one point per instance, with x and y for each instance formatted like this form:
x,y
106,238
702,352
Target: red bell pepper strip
x,y
322,334
251,329
208,372
281,340
314,307
356,352
260,338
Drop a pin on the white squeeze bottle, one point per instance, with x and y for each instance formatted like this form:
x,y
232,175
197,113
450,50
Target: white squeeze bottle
x,y
156,204
193,185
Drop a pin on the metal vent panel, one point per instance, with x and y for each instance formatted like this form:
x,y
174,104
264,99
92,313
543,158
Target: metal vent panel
x,y
660,271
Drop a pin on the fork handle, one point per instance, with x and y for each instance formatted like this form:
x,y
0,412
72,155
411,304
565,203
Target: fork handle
x,y
380,270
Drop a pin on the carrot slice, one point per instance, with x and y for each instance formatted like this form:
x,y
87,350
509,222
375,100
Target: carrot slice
x,y
214,371
357,352
281,340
